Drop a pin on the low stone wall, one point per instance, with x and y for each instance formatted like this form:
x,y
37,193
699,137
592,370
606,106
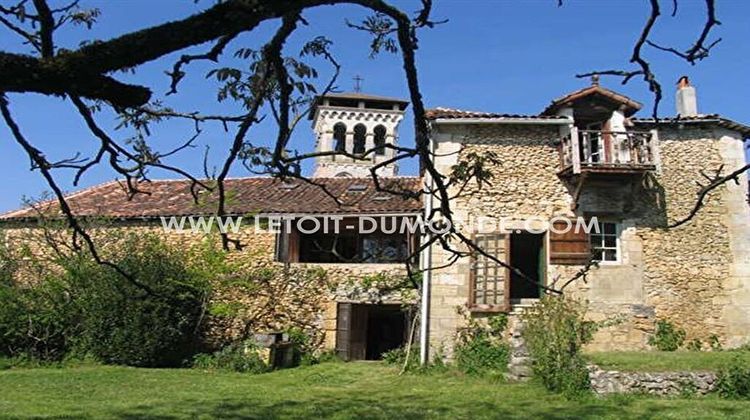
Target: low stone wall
x,y
605,382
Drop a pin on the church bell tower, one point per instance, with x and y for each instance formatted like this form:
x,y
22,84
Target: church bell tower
x,y
361,125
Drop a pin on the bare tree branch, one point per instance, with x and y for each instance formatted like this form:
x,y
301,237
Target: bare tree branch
x,y
714,181
41,162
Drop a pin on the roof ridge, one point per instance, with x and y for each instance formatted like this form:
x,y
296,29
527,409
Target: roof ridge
x,y
585,91
445,108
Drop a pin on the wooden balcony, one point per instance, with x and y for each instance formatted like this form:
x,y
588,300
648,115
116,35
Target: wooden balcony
x,y
609,154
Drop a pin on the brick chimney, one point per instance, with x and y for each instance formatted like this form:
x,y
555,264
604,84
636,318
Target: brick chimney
x,y
686,101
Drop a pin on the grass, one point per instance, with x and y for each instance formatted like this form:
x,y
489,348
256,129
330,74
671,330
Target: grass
x,y
331,390
659,361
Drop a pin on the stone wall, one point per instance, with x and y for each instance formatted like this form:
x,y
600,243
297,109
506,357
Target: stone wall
x,y
289,298
697,275
605,382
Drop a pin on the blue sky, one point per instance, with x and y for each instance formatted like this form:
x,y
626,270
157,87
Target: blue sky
x,y
493,55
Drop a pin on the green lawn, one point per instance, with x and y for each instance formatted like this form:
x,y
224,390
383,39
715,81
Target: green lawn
x,y
659,361
333,390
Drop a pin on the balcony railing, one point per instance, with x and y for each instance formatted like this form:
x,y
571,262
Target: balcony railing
x,y
609,150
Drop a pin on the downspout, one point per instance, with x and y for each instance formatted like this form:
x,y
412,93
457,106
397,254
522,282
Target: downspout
x,y
426,264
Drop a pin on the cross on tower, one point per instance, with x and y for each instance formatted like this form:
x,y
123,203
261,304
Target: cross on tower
x,y
357,83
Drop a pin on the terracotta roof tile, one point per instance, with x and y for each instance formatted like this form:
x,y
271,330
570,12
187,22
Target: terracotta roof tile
x,y
632,105
245,195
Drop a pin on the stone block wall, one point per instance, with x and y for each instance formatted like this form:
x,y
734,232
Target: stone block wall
x,y
604,382
289,299
697,276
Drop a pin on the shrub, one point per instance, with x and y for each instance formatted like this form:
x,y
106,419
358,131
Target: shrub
x,y
714,343
124,324
302,347
36,321
81,308
555,332
481,347
733,381
666,337
242,356
694,345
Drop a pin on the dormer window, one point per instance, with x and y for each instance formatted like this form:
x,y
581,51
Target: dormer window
x,y
598,141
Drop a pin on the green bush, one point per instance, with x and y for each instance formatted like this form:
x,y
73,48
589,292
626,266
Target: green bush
x,y
481,348
714,343
733,381
555,332
240,357
667,337
37,321
125,325
694,345
303,347
83,308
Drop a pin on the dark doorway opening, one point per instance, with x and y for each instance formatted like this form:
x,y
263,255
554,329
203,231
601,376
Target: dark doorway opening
x,y
386,328
366,331
527,255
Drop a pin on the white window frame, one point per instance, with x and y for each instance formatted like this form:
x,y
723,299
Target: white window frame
x,y
618,241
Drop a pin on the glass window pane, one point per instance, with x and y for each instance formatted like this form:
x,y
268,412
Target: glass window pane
x,y
610,241
596,240
609,228
610,255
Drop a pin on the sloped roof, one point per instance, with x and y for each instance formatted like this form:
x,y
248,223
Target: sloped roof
x,y
630,105
714,119
451,113
244,195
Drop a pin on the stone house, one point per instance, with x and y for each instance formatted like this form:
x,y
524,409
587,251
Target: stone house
x,y
584,157
587,155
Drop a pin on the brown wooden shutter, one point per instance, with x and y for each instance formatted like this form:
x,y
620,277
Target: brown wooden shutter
x,y
293,242
343,330
287,245
351,328
569,248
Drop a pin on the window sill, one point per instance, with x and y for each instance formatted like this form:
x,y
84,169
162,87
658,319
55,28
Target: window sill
x,y
475,309
610,263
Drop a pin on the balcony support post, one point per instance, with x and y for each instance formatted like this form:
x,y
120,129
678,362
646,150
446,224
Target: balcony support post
x,y
578,190
575,152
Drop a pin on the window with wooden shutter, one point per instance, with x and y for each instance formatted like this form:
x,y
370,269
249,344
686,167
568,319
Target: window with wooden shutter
x,y
569,244
489,281
287,245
